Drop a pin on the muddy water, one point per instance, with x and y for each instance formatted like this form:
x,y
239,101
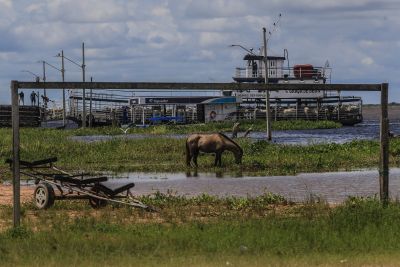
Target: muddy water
x,y
334,187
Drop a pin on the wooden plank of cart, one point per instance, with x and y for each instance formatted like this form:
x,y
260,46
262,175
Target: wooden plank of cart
x,y
48,177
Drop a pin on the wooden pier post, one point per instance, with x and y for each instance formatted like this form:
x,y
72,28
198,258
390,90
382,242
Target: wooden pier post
x,y
384,146
16,154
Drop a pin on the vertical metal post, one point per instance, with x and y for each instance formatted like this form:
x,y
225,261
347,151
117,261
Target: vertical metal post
x,y
16,154
143,115
63,91
384,147
268,112
83,89
44,84
90,103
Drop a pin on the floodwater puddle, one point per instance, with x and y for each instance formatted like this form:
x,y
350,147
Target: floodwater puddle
x,y
333,187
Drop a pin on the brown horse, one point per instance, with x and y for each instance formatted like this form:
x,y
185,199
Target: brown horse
x,y
211,143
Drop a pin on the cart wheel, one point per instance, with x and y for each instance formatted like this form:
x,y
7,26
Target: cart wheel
x,y
97,203
151,209
44,196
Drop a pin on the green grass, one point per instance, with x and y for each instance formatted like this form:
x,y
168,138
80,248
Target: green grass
x,y
257,125
159,154
208,232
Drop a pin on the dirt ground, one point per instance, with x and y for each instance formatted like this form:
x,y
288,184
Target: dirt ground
x,y
6,194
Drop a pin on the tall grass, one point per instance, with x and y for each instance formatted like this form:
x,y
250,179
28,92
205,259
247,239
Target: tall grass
x,y
355,232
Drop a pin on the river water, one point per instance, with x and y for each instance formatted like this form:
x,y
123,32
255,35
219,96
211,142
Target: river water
x,y
368,130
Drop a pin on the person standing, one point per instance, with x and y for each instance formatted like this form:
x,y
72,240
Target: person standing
x,y
33,98
21,97
125,115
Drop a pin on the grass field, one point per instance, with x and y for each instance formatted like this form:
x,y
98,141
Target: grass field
x,y
205,231
150,154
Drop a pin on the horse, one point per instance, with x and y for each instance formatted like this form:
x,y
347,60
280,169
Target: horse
x,y
310,112
289,112
211,143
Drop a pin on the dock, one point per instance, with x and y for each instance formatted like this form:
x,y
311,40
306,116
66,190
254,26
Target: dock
x,y
29,116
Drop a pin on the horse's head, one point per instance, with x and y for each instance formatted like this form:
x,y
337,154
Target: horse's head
x,y
238,156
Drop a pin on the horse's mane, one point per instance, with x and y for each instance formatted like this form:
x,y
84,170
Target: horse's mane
x,y
226,137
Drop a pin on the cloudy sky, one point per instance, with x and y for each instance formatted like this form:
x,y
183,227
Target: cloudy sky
x,y
185,40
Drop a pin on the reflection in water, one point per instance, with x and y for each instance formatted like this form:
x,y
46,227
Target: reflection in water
x,y
189,173
218,174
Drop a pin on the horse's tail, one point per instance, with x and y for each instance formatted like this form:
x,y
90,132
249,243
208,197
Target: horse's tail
x,y
188,156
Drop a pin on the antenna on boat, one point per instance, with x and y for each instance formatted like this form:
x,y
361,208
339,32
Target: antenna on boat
x,y
275,26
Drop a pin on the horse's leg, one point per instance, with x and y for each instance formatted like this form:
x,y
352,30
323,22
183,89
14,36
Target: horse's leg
x,y
188,159
220,159
217,158
195,154
188,154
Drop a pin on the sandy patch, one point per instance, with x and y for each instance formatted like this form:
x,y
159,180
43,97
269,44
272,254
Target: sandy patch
x,y
6,194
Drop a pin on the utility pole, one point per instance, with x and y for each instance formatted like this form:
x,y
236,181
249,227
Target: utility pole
x,y
268,112
44,84
83,89
63,91
90,104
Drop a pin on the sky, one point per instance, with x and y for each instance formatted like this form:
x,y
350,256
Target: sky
x,y
188,41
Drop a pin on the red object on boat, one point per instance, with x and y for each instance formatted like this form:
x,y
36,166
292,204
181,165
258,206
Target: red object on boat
x,y
303,71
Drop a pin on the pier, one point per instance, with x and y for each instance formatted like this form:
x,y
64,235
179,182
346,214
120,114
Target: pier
x,y
30,116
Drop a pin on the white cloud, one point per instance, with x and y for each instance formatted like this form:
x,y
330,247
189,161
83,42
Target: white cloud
x,y
368,43
5,3
213,38
367,61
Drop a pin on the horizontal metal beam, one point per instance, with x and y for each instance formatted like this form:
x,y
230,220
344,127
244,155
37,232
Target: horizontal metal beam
x,y
198,86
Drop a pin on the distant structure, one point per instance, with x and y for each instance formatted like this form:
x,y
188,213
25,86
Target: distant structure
x,y
293,104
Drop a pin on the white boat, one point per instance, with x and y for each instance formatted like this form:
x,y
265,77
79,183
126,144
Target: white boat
x,y
294,104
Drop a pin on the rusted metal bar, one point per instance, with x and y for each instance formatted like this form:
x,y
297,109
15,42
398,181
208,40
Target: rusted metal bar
x,y
16,154
384,147
202,86
267,101
83,88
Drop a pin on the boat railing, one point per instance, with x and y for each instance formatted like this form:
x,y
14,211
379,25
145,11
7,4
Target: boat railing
x,y
284,72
